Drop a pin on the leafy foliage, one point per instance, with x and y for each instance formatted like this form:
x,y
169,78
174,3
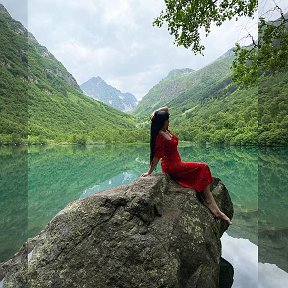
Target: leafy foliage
x,y
267,55
185,18
207,107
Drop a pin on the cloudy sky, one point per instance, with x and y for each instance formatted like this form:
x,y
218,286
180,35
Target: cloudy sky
x,y
115,39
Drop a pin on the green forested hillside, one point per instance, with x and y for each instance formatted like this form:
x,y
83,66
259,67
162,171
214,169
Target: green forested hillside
x,y
273,109
41,102
35,86
187,87
231,119
207,107
13,78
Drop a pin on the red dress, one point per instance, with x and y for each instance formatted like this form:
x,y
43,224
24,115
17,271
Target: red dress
x,y
195,175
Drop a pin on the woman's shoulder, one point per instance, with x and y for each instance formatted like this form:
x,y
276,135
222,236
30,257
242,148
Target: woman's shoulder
x,y
162,137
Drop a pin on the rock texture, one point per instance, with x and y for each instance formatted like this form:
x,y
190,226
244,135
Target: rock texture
x,y
151,233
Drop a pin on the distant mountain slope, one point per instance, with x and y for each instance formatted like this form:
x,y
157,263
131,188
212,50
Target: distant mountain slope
x,y
179,72
174,84
206,106
100,90
58,110
13,76
191,85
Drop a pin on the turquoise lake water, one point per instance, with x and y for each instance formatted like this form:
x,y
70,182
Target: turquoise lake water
x,y
54,176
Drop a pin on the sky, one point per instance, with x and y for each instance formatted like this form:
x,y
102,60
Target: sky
x,y
116,40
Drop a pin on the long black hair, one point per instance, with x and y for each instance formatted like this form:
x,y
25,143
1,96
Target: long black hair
x,y
157,123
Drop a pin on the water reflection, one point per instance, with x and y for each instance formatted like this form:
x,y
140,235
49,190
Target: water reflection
x,y
14,200
273,205
243,255
121,179
59,175
271,276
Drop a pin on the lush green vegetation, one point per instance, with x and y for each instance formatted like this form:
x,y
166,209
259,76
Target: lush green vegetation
x,y
207,107
272,202
231,120
50,98
13,80
273,109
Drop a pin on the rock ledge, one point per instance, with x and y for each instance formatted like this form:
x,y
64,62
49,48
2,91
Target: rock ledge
x,y
150,233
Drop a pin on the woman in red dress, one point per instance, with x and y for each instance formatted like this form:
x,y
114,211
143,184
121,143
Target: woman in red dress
x,y
195,175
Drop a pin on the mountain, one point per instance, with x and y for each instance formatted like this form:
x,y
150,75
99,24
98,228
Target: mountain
x,y
97,88
186,86
207,107
177,72
41,100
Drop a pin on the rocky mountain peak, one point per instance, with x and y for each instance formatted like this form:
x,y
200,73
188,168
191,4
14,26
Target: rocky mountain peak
x,y
177,72
97,88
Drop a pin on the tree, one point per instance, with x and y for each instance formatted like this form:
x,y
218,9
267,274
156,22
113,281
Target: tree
x,y
267,55
186,18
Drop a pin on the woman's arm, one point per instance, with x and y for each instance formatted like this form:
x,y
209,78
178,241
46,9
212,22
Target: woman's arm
x,y
165,108
152,167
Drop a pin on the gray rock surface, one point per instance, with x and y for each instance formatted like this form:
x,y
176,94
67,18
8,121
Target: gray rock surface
x,y
150,233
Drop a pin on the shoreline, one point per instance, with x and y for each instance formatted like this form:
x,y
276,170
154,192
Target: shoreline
x,y
103,143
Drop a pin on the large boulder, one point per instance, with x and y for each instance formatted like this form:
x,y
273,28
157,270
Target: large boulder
x,y
150,233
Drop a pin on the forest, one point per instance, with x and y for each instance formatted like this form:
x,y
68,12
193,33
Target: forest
x,y
41,102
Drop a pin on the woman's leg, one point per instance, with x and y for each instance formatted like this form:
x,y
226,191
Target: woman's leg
x,y
212,205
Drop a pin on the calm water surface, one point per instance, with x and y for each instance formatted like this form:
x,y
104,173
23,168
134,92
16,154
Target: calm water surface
x,y
54,176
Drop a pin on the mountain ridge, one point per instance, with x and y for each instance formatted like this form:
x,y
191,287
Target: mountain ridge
x,y
98,89
177,72
173,88
58,109
206,106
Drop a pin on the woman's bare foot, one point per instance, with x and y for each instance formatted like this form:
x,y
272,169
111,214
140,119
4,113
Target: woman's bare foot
x,y
213,207
217,212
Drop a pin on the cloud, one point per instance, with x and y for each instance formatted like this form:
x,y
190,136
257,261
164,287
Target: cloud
x,y
270,276
243,255
116,40
17,9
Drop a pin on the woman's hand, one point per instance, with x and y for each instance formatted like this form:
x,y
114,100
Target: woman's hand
x,y
145,174
165,108
152,167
